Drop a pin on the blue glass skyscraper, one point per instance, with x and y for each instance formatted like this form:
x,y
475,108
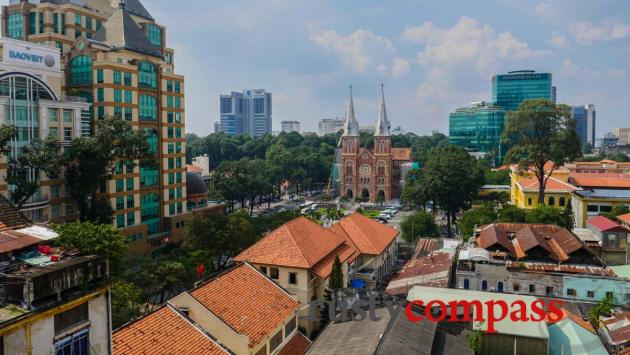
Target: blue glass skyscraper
x,y
509,90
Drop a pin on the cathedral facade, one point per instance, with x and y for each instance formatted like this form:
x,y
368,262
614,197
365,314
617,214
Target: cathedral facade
x,y
371,174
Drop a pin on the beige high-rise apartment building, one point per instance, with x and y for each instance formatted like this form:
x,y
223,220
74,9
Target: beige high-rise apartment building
x,y
114,55
624,136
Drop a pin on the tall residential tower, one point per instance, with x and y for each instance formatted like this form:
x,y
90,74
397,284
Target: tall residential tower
x,y
114,55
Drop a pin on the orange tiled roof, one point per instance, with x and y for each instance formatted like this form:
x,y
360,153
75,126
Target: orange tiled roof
x,y
300,243
401,154
367,235
324,267
297,345
247,301
193,169
531,184
11,217
572,316
625,218
620,181
164,331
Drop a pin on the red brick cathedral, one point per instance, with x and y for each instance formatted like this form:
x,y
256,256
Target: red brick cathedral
x,y
370,174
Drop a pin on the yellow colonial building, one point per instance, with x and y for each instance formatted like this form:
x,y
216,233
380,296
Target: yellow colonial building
x,y
524,188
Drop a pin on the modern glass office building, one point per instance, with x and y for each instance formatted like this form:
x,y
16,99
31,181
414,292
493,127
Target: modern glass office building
x,y
584,116
248,112
478,128
509,90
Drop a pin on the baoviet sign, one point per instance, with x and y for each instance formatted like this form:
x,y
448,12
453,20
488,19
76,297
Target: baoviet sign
x,y
32,56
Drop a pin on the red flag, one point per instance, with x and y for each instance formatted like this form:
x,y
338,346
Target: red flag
x,y
200,270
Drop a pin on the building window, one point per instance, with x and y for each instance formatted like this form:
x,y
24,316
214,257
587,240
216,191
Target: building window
x,y
466,284
53,132
552,201
293,278
52,115
128,114
120,221
127,79
120,185
67,134
263,269
131,201
56,23
590,294
154,34
484,285
63,24
592,208
609,294
131,218
177,87
562,202
149,176
117,95
290,326
259,105
148,108
120,203
81,70
549,291
275,341
71,318
147,75
15,25
100,76
529,201
571,292
128,96
77,343
117,77
32,23
532,288
67,116
275,274
516,287
169,85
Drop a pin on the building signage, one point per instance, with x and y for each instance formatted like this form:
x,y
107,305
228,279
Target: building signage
x,y
30,56
523,77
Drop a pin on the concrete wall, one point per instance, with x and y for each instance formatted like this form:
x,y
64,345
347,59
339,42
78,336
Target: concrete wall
x,y
15,343
619,287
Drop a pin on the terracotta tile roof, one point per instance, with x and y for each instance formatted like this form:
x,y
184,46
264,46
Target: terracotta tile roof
x,y
606,225
11,217
324,267
431,270
247,301
553,184
164,331
369,236
625,218
338,229
401,154
610,181
425,246
297,345
559,242
541,267
299,243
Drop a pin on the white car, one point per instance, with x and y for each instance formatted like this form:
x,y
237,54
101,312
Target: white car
x,y
385,215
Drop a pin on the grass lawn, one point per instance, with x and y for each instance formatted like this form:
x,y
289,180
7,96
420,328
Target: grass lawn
x,y
371,213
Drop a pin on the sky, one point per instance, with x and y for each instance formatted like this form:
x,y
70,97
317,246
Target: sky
x,y
432,56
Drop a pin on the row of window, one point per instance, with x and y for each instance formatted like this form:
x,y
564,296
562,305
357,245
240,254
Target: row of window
x,y
173,86
55,210
53,115
120,202
551,201
118,77
67,133
130,219
122,183
274,274
516,287
81,73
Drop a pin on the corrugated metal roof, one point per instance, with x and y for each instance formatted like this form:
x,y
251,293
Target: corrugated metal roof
x,y
604,193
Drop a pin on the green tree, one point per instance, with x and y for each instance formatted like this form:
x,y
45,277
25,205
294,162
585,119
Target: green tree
x,y
166,276
477,217
546,215
604,307
618,157
92,238
220,237
420,224
512,214
127,301
7,133
90,163
451,178
41,156
568,217
335,282
542,136
616,211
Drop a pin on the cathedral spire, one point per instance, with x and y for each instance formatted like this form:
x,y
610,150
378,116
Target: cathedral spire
x,y
351,127
382,124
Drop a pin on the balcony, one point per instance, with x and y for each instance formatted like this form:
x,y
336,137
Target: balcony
x,y
35,203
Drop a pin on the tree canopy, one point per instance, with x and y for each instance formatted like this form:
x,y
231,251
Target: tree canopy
x,y
542,137
419,225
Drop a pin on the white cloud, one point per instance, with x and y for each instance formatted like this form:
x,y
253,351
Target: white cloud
x,y
606,30
569,68
466,43
559,40
401,67
361,50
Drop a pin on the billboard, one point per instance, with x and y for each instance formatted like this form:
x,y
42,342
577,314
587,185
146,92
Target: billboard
x,y
30,55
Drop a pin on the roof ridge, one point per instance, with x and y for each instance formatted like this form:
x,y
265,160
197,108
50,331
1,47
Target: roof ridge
x,y
198,328
292,237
